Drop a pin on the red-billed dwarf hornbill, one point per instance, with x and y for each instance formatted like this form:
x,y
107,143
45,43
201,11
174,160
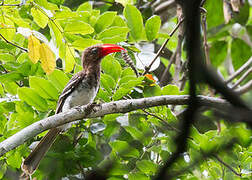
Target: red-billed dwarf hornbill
x,y
80,90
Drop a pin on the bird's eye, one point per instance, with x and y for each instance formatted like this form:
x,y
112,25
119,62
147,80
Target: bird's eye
x,y
94,51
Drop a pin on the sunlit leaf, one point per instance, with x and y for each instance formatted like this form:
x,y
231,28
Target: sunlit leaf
x,y
112,67
83,43
134,21
59,79
104,21
69,59
152,27
78,27
33,47
44,87
32,98
47,58
39,17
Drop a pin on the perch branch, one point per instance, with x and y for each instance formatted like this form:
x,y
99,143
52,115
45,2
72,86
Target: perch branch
x,y
121,106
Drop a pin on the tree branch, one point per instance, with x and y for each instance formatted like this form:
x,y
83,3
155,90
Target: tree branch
x,y
242,78
245,88
240,70
121,106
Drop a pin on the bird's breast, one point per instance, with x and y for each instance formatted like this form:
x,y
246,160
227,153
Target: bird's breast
x,y
83,94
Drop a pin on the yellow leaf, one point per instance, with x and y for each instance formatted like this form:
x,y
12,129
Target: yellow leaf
x,y
33,46
69,59
47,58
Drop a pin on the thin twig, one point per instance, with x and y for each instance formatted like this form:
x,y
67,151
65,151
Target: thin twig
x,y
167,69
178,49
162,47
228,166
206,47
245,88
240,70
12,43
242,78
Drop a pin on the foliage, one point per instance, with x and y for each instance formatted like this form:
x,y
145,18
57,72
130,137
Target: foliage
x,y
137,142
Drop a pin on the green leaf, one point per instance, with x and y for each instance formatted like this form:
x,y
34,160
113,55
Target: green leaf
x,y
135,133
125,2
104,21
128,72
170,90
43,87
85,7
218,52
147,167
14,160
7,29
3,168
39,17
32,98
215,15
5,45
108,83
150,91
7,57
117,170
55,31
69,59
134,21
122,148
120,93
83,43
113,35
138,176
11,87
104,95
240,52
131,82
112,67
78,27
11,76
243,15
249,30
119,22
152,27
59,79
127,78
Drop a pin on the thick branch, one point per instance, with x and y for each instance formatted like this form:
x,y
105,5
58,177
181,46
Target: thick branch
x,y
122,106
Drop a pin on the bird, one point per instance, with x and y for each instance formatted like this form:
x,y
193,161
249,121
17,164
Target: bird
x,y
81,89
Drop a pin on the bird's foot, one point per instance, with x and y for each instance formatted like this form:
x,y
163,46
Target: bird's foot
x,y
91,107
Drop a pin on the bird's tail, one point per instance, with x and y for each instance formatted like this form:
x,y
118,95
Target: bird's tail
x,y
31,163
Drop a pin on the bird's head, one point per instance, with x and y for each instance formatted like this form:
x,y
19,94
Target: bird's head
x,y
93,54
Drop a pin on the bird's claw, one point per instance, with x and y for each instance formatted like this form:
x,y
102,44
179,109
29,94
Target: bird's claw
x,y
90,107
